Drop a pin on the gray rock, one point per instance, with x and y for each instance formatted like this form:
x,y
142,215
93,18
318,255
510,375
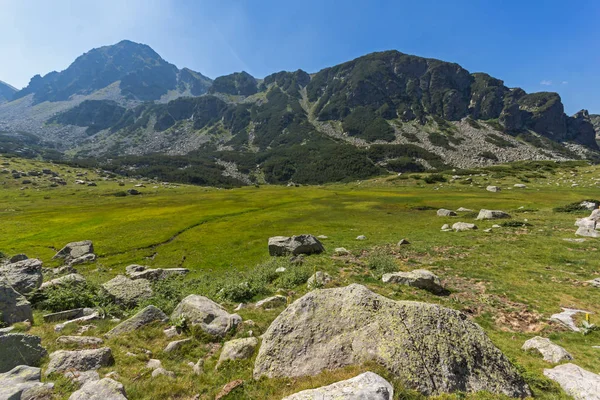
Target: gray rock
x,y
198,368
419,278
20,349
366,386
551,352
82,377
161,371
75,250
271,302
153,364
463,226
153,274
24,276
445,227
587,232
21,382
205,313
128,292
83,259
171,332
361,237
68,314
70,279
340,251
147,316
80,340
576,381
79,360
89,317
462,209
333,328
18,257
493,189
403,242
589,205
176,345
301,244
442,212
492,214
13,306
566,318
520,186
595,282
103,389
238,349
318,279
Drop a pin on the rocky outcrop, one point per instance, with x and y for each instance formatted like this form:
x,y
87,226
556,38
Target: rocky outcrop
x,y
128,292
103,389
23,382
24,276
551,352
580,129
238,349
20,349
576,381
147,316
419,278
364,386
211,317
301,244
427,347
79,360
75,250
589,226
13,306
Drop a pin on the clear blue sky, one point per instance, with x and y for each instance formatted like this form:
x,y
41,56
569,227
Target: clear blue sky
x,y
537,45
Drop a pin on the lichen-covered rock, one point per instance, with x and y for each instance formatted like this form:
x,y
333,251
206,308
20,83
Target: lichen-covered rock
x,y
205,313
492,214
147,316
80,340
364,386
301,244
238,349
20,349
576,381
551,352
128,292
419,278
442,212
79,360
21,382
24,276
69,279
103,389
318,279
75,250
13,306
463,226
412,340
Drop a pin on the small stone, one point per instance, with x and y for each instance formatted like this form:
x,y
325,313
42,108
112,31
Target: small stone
x,y
161,371
463,226
176,345
492,214
198,367
319,279
153,364
462,209
271,302
442,212
361,237
171,332
280,270
493,189
146,316
403,242
576,381
238,349
340,251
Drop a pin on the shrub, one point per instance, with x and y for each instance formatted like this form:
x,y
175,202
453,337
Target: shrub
x,y
575,207
433,178
515,224
439,140
380,262
294,276
489,155
69,296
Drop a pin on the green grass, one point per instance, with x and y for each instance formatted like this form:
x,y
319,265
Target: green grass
x,y
510,280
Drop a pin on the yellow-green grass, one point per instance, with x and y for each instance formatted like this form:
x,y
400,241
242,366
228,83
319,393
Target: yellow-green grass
x,y
223,233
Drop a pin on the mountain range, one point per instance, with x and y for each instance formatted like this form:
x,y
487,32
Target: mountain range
x,y
125,108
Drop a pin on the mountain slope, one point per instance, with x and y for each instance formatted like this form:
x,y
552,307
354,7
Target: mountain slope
x,y
6,92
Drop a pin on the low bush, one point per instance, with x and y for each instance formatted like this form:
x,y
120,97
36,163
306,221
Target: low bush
x,y
380,262
575,207
435,178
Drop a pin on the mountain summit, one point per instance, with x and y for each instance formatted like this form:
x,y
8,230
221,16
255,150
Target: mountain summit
x,y
6,92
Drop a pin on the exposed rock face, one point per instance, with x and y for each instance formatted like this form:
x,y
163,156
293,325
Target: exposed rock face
x,y
13,306
364,386
419,278
551,352
103,389
146,316
238,349
442,212
24,276
412,340
20,349
301,244
210,316
153,274
576,381
581,130
127,291
463,226
75,250
566,318
79,360
22,382
492,214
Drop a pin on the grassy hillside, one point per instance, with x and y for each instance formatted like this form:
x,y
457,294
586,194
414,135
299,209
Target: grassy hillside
x,y
510,280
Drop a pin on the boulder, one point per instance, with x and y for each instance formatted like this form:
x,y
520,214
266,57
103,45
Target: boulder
x,y
13,306
492,214
341,251
161,371
589,205
576,381
70,279
176,345
442,212
493,189
228,388
68,314
82,377
211,317
80,340
103,389
301,244
587,232
238,349
361,237
22,382
153,274
83,259
24,276
75,250
319,279
419,278
462,209
463,226
565,318
271,302
551,352
153,364
20,349
333,328
17,258
128,292
362,387
79,360
146,316
595,282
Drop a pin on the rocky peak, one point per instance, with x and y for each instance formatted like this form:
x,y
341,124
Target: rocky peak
x,y
238,83
6,92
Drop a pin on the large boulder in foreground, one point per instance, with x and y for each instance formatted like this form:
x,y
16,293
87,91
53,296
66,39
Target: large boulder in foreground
x,y
366,386
22,382
79,360
24,276
103,389
75,250
211,317
428,347
576,381
13,306
20,349
301,244
147,316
